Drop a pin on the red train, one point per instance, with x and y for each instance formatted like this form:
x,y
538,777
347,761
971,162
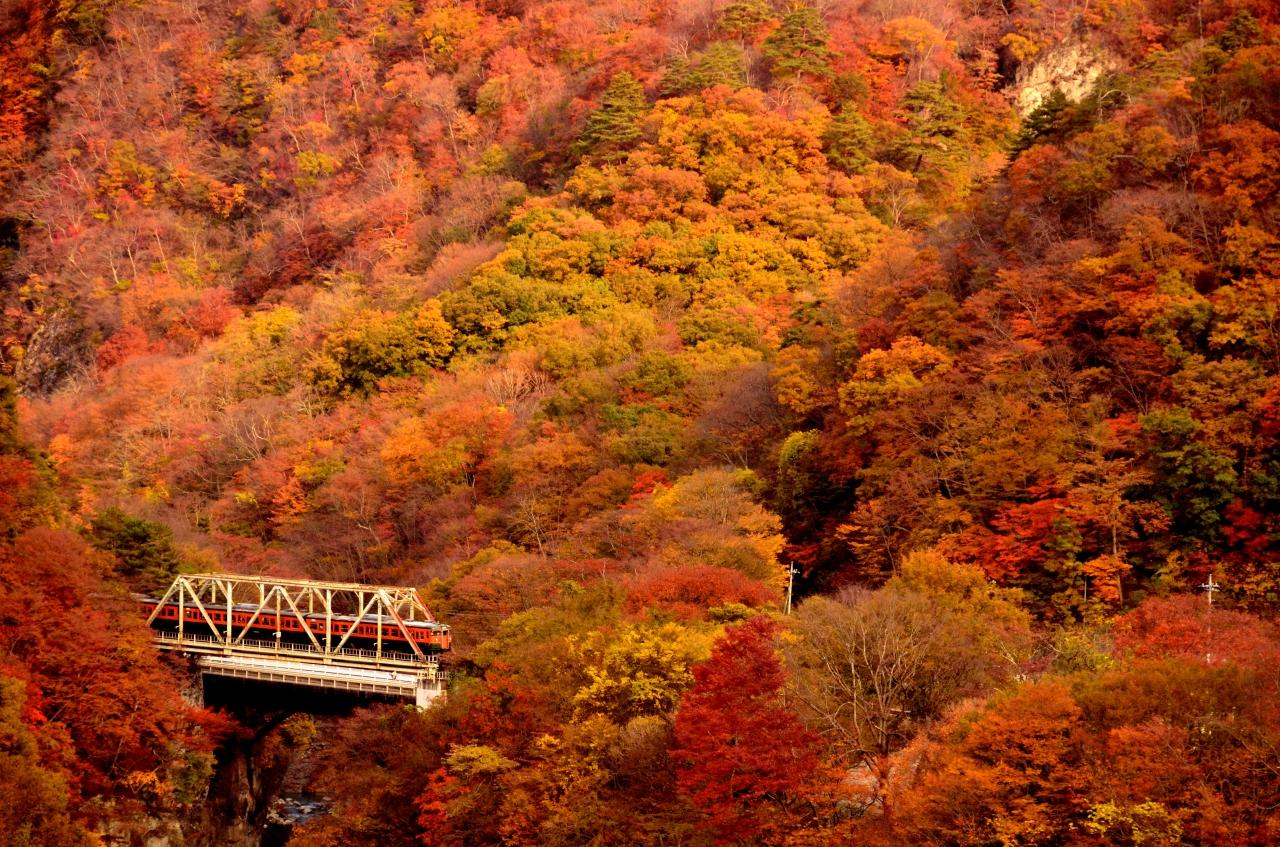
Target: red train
x,y
428,635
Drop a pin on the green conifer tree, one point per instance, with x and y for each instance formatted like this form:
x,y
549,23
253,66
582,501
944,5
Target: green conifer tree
x,y
1043,120
847,141
721,63
144,551
744,19
799,46
616,123
937,134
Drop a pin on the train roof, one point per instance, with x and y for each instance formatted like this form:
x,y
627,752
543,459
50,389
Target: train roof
x,y
417,624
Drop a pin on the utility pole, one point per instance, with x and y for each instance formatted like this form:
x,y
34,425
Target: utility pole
x,y
1210,588
791,582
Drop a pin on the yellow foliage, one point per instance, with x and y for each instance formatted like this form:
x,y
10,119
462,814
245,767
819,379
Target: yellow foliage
x,y
641,672
725,526
915,37
303,66
883,376
254,356
1020,47
794,379
443,28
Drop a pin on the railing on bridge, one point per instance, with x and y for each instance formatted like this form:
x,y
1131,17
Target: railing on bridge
x,y
225,609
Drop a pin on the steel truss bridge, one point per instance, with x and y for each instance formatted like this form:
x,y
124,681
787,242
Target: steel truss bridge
x,y
231,648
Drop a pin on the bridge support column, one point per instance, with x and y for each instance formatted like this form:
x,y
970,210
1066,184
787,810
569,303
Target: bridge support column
x,y
428,691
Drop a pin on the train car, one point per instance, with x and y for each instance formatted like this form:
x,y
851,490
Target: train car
x,y
428,635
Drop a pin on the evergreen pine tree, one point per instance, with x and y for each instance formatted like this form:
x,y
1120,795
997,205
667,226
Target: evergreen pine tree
x,y
799,46
144,551
720,64
744,19
616,123
936,130
847,141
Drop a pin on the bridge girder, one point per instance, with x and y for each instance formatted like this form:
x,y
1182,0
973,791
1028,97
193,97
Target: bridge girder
x,y
389,607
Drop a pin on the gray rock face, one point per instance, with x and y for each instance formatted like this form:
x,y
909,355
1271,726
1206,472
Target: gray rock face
x,y
1073,67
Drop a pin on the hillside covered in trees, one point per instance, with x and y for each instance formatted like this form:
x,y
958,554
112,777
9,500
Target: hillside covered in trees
x,y
593,320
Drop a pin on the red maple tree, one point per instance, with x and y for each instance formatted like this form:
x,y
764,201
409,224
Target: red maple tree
x,y
743,758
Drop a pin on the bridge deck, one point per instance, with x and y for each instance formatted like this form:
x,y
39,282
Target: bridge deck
x,y
422,687
363,671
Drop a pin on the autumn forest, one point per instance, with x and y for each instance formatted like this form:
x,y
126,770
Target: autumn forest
x,y
817,421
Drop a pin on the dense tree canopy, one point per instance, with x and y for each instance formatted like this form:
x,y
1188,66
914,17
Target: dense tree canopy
x,y
602,323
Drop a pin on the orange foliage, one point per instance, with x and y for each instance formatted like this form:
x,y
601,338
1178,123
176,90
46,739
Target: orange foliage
x,y
688,591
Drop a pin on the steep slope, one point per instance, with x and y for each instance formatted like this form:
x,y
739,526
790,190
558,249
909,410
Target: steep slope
x,y
598,319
